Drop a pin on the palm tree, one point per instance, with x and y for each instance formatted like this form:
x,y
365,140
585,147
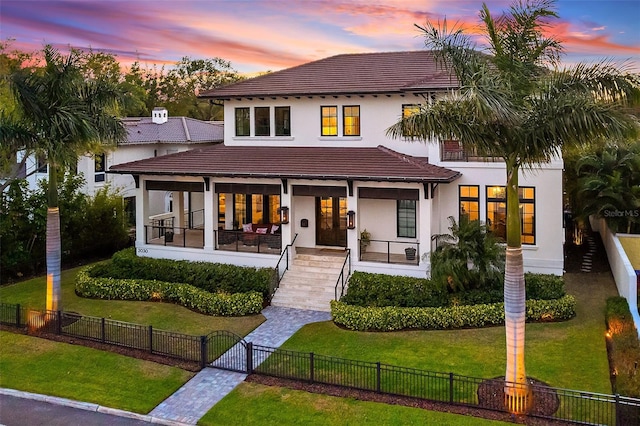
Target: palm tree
x,y
67,115
510,105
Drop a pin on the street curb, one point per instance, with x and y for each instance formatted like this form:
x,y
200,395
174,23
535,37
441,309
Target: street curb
x,y
88,407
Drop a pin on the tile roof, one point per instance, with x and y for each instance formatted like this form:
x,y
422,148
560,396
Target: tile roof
x,y
177,129
365,164
363,73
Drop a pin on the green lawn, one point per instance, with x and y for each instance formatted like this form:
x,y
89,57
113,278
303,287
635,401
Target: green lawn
x,y
37,365
569,354
164,316
252,403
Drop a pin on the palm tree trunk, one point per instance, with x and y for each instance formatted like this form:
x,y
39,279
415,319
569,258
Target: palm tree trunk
x,y
516,389
53,249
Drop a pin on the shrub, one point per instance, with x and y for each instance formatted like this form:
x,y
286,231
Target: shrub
x,y
544,286
625,347
212,277
367,289
390,318
221,303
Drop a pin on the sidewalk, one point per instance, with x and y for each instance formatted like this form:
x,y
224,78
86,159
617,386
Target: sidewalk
x,y
192,401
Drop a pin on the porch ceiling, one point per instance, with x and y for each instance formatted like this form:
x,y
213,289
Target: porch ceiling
x,y
362,164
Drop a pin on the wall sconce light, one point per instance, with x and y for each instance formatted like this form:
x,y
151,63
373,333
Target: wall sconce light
x,y
351,219
284,215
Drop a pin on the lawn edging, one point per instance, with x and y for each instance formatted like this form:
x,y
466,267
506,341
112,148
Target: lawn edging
x,y
391,318
191,297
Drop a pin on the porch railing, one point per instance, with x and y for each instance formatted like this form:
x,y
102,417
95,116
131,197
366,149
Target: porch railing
x,y
342,278
195,219
282,266
173,236
451,150
385,251
238,240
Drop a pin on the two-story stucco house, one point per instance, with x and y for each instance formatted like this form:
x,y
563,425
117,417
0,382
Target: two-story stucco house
x,y
306,167
147,137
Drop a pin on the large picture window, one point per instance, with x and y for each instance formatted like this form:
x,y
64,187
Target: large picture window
x,y
329,123
406,218
469,202
242,122
250,208
497,212
262,121
283,121
351,120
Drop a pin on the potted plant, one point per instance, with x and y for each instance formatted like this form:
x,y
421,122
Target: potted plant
x,y
410,252
365,240
168,236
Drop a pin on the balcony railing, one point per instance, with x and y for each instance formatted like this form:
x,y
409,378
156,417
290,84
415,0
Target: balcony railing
x,y
452,150
390,252
251,242
175,237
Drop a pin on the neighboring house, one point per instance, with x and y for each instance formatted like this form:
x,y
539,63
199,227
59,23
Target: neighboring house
x,y
307,161
146,137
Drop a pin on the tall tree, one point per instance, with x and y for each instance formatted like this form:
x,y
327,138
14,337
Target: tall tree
x,y
511,105
67,115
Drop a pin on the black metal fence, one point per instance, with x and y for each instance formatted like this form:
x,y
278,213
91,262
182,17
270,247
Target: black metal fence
x,y
198,349
223,349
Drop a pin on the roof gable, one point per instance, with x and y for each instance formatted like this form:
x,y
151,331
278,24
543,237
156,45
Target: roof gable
x,y
363,73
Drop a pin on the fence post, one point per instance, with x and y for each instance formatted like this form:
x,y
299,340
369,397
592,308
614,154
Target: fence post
x,y
249,357
203,351
150,339
59,322
311,367
617,408
450,388
103,330
378,386
18,315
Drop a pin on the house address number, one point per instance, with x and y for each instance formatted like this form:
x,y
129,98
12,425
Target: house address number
x,y
143,250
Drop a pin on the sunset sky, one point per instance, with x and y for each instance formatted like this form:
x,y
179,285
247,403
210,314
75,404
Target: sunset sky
x,y
274,34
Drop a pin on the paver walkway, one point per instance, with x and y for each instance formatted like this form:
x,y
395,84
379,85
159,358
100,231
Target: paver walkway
x,y
192,401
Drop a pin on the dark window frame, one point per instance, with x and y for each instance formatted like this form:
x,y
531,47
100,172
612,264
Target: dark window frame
x,y
468,199
322,118
521,201
99,167
406,212
346,126
262,124
243,122
282,123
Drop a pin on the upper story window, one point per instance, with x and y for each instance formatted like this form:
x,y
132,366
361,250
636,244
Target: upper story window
x,y
41,166
100,164
283,121
351,120
407,110
469,202
242,122
262,121
329,120
497,212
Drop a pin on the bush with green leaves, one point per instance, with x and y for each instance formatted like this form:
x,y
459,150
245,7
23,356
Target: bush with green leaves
x,y
220,303
211,277
391,318
625,347
467,258
366,289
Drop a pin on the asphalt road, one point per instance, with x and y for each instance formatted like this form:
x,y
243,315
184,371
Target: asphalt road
x,y
16,411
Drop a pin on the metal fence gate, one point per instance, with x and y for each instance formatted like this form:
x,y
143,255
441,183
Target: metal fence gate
x,y
228,351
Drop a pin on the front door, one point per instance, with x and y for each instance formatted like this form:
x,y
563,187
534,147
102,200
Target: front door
x,y
331,219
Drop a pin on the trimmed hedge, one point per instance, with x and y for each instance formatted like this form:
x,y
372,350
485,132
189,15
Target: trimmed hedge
x,y
221,303
366,289
437,318
211,277
624,347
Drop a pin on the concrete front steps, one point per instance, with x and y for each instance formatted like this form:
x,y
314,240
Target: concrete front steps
x,y
309,283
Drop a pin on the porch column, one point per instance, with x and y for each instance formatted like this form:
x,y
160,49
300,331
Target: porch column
x,y
286,200
424,227
178,210
353,234
210,212
142,212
